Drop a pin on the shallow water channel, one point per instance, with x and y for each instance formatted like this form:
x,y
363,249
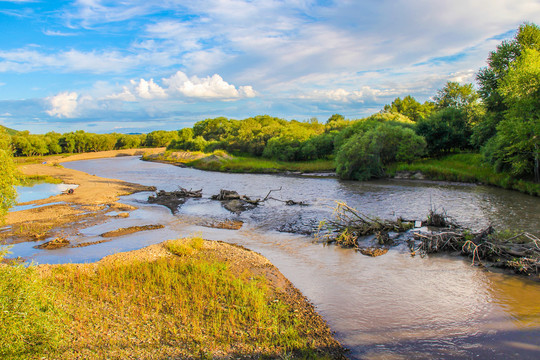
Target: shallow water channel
x,y
389,307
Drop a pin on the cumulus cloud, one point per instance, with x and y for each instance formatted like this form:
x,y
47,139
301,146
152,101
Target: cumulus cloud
x,y
179,85
210,87
63,105
148,89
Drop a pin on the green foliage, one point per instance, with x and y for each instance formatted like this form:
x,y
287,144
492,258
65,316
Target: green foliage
x,y
445,130
29,321
410,108
160,138
8,179
362,125
8,131
365,154
517,142
491,77
456,95
466,167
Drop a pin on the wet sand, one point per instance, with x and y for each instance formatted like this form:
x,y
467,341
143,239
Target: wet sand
x,y
66,213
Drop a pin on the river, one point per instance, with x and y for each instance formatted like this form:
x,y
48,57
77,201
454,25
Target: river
x,y
393,306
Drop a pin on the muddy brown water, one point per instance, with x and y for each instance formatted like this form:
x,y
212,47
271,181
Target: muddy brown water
x,y
389,307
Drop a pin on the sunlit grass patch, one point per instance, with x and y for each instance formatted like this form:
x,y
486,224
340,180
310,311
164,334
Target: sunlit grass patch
x,y
189,304
243,164
30,322
466,167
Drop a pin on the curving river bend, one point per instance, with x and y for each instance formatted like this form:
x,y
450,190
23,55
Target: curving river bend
x,y
389,307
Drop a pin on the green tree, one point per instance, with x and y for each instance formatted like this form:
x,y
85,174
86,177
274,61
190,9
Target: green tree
x,y
365,154
518,133
490,78
445,130
8,180
453,94
410,108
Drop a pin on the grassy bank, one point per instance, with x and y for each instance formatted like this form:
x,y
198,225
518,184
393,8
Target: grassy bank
x,y
465,168
188,302
221,161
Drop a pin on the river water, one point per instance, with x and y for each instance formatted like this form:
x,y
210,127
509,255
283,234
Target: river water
x,y
393,306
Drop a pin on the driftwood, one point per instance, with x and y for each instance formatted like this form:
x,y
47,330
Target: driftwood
x,y
235,202
348,224
520,253
174,199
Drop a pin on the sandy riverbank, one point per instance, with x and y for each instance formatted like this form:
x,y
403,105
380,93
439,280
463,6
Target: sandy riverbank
x,y
243,264
67,213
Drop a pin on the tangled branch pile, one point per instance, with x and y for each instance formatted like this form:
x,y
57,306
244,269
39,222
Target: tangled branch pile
x,y
520,253
348,224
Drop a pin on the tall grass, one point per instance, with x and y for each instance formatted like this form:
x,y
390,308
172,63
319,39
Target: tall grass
x,y
183,305
30,322
466,167
240,164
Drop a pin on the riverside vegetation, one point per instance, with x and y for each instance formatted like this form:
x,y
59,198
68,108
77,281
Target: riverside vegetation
x,y
186,298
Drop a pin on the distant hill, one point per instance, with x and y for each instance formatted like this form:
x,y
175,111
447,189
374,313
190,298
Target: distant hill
x,y
9,131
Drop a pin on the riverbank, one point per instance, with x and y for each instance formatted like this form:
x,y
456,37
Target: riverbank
x,y
194,299
467,167
223,162
66,214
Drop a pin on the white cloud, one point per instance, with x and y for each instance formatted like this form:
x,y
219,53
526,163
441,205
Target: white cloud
x,y
63,104
148,89
210,87
57,33
341,95
179,85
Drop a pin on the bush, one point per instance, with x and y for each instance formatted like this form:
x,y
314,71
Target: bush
x,y
365,154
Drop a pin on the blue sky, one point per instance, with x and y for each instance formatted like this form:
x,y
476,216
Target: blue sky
x,y
140,65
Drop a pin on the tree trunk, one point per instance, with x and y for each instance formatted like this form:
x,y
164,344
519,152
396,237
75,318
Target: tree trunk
x,y
536,164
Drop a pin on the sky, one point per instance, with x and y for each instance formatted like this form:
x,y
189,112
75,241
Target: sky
x,y
135,66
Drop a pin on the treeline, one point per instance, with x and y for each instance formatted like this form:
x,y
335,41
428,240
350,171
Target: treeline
x,y
23,143
501,120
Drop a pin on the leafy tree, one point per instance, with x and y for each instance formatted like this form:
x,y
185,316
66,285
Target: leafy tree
x,y
453,94
517,142
129,141
490,78
336,122
160,138
213,129
365,154
445,130
363,125
410,108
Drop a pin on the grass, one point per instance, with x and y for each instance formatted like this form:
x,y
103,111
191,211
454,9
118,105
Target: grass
x,y
30,321
30,180
466,167
38,159
260,165
219,160
187,305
